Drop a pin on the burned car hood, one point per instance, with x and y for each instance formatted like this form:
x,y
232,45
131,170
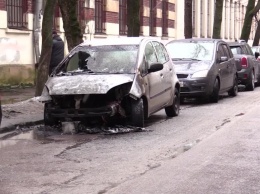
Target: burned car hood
x,y
191,66
86,84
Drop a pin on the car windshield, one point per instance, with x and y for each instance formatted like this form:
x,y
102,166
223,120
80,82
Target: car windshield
x,y
102,59
191,50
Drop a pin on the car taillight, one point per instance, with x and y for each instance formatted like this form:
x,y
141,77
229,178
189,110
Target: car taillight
x,y
244,62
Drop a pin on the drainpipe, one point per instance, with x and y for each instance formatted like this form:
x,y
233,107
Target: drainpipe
x,y
37,28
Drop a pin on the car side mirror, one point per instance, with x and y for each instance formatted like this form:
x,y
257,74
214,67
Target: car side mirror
x,y
257,55
155,67
223,59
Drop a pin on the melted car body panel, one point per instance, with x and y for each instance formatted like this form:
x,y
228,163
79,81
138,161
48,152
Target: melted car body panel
x,y
86,84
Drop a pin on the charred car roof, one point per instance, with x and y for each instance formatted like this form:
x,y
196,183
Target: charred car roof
x,y
116,41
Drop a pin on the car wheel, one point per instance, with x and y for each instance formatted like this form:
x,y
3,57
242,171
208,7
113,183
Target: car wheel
x,y
137,113
48,119
174,109
234,90
215,93
251,85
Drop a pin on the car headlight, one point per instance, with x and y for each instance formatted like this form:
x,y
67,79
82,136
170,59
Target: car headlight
x,y
202,73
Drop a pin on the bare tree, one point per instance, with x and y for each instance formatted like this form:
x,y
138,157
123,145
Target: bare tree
x,y
71,24
217,19
43,67
133,18
251,11
257,33
188,19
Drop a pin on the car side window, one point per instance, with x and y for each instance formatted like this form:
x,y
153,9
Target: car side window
x,y
167,57
160,53
249,50
150,54
226,51
244,50
220,52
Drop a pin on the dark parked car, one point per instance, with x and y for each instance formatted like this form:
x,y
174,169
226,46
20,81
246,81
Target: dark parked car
x,y
250,66
205,67
105,80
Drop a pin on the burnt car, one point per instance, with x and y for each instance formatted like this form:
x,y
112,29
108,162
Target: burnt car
x,y
249,74
110,80
204,67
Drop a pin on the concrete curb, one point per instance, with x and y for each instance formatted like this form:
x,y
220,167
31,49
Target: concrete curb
x,y
11,128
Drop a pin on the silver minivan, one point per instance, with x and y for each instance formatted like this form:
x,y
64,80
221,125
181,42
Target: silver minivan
x,y
108,80
205,67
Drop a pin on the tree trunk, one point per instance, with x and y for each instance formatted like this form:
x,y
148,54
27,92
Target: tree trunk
x,y
70,22
43,69
188,19
133,18
217,19
257,35
37,28
248,21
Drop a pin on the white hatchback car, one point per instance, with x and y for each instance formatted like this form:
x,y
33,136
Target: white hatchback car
x,y
110,79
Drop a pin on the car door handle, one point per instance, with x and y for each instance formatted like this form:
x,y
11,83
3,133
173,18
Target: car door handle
x,y
161,75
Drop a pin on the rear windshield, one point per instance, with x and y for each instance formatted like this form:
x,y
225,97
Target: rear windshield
x,y
191,50
236,50
102,59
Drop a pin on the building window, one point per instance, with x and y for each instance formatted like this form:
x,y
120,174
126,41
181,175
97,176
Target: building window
x,y
100,16
80,9
141,16
56,18
231,11
208,20
152,21
165,18
16,14
122,17
193,17
201,18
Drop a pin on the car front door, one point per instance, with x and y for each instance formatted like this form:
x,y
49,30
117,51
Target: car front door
x,y
167,71
222,68
230,65
154,80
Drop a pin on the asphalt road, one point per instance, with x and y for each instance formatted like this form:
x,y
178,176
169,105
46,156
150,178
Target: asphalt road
x,y
208,148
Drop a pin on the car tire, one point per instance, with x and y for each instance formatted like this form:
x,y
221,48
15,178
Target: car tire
x,y
174,109
137,113
251,85
215,93
48,119
234,90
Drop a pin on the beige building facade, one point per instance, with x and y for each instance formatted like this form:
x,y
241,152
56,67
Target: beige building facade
x,y
104,19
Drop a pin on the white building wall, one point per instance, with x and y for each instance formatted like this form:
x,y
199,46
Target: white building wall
x,y
232,19
16,46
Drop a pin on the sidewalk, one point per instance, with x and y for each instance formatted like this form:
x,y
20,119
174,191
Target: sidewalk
x,y
20,108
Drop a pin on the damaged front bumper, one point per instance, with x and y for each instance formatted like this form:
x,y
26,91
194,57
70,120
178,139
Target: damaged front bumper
x,y
109,110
